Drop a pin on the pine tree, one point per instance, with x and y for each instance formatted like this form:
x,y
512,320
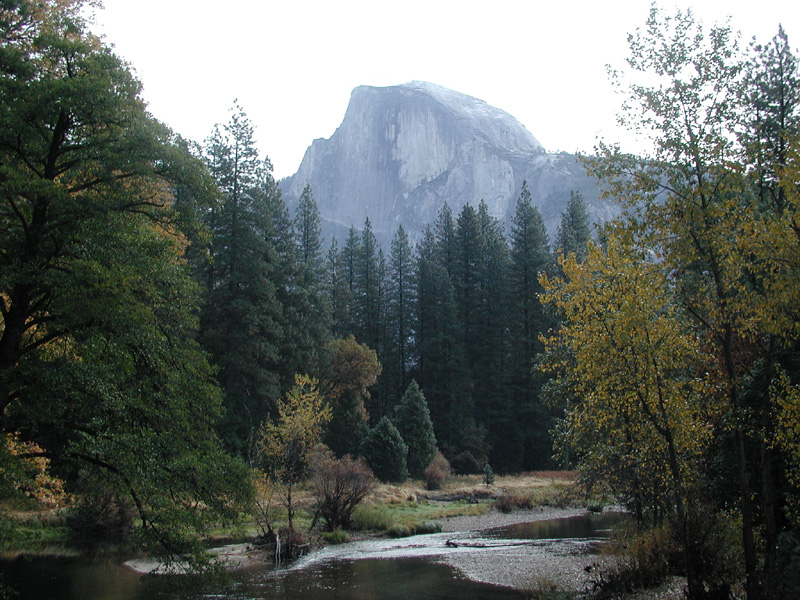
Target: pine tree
x,y
350,256
337,291
399,313
574,232
308,228
773,92
445,231
385,452
241,319
303,318
313,310
441,365
413,421
470,246
530,256
367,284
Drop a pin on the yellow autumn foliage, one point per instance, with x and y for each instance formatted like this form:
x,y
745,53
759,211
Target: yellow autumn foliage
x,y
640,410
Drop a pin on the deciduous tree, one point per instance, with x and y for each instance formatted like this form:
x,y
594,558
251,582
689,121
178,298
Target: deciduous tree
x,y
99,362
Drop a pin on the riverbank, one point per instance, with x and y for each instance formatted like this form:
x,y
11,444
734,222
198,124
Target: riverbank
x,y
564,563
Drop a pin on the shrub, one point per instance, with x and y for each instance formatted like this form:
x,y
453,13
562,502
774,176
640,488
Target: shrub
x,y
429,527
509,501
645,558
418,528
488,474
338,486
386,452
437,472
293,543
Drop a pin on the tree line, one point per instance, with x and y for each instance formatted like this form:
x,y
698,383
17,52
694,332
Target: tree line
x,y
459,314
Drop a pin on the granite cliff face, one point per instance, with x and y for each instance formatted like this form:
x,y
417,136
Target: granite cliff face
x,y
402,151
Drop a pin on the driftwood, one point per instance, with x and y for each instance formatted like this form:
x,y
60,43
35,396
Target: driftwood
x,y
497,544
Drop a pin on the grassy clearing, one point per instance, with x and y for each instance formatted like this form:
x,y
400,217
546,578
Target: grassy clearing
x,y
395,510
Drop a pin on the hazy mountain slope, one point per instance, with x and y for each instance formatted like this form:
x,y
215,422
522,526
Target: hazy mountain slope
x,y
402,151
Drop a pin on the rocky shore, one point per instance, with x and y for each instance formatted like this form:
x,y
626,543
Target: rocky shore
x,y
564,563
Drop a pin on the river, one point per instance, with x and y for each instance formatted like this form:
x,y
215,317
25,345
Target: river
x,y
419,567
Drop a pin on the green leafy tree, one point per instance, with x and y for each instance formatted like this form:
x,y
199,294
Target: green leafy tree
x,y
640,416
704,205
386,452
413,421
350,370
99,361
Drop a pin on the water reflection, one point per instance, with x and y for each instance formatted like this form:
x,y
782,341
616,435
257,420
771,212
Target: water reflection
x,y
56,579
591,526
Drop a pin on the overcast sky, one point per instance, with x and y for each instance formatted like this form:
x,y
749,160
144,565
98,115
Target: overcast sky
x,y
293,63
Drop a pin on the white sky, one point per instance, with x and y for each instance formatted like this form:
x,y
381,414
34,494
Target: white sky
x,y
293,63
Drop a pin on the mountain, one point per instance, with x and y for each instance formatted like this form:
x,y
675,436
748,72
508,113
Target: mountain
x,y
402,151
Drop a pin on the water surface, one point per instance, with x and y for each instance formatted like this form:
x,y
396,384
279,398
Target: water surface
x,y
372,569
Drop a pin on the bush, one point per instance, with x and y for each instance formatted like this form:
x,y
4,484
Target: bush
x,y
399,530
386,452
542,588
488,474
338,486
512,500
437,472
293,543
644,559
